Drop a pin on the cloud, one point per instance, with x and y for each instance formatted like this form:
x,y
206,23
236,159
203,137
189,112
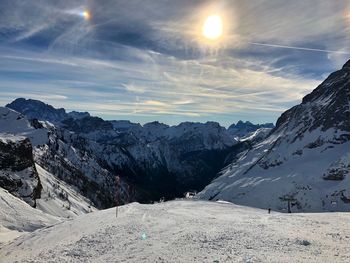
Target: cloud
x,y
190,88
140,59
302,48
172,27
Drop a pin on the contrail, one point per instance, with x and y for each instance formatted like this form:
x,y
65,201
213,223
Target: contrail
x,y
301,48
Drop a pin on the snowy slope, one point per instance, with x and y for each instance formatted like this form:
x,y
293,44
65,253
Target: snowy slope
x,y
17,217
12,122
304,160
60,199
188,231
243,129
257,135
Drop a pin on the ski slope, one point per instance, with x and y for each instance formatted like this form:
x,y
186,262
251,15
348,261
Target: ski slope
x,y
18,218
187,231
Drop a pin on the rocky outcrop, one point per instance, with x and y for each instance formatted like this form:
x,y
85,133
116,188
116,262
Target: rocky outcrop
x,y
18,174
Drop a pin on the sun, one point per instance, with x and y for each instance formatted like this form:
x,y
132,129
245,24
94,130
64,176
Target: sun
x,y
213,27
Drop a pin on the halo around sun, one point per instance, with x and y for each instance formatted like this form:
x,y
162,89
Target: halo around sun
x,y
86,14
213,27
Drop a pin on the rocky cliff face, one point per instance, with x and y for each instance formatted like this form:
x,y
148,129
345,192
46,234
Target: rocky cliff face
x,y
66,156
304,161
28,141
18,174
158,160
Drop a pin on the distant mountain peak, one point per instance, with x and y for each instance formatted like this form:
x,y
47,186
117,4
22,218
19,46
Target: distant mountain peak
x,y
36,109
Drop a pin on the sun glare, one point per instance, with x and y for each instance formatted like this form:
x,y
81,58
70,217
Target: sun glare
x,y
212,27
86,14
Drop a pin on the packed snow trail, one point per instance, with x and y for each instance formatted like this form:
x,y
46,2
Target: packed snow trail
x,y
187,231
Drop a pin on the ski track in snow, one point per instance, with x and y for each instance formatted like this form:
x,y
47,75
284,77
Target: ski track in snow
x,y
187,231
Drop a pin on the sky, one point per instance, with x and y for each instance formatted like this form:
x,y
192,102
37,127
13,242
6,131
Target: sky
x,y
147,60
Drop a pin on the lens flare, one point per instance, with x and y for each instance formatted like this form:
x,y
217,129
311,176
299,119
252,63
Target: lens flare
x,y
213,27
86,14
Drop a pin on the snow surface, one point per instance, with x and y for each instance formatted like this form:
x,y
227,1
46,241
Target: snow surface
x,y
187,231
12,122
17,218
60,199
257,135
10,138
278,167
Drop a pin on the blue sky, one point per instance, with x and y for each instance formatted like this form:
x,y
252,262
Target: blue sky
x,y
146,60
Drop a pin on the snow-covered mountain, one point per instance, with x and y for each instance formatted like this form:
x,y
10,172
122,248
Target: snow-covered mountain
x,y
304,163
154,160
35,109
26,142
246,129
18,174
13,123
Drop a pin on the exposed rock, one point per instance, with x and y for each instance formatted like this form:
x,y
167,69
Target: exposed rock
x,y
18,174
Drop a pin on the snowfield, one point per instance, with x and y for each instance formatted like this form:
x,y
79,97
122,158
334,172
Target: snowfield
x,y
60,199
18,218
187,231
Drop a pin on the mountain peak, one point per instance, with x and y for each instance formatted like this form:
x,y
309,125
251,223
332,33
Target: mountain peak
x,y
304,160
35,109
347,65
327,105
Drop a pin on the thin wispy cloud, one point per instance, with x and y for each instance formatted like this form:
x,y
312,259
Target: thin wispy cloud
x,y
301,48
146,60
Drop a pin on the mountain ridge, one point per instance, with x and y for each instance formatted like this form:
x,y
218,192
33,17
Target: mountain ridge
x,y
303,165
36,109
154,160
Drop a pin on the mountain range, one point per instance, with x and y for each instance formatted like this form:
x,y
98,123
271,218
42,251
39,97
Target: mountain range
x,y
153,160
303,165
